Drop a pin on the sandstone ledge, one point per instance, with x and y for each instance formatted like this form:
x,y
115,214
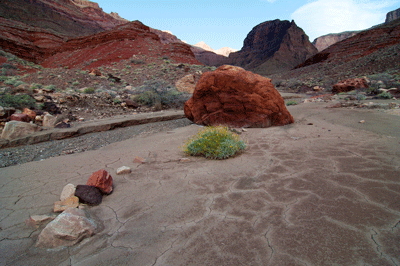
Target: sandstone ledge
x,y
93,126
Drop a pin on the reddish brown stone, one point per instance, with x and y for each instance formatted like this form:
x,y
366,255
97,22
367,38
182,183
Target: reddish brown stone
x,y
131,104
30,113
235,97
20,117
95,72
102,180
349,85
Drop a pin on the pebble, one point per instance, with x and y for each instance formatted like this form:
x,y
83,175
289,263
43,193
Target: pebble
x,y
123,170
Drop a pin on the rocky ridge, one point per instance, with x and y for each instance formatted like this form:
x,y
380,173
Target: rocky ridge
x,y
325,41
361,45
65,17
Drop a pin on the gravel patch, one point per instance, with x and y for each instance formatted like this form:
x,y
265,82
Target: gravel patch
x,y
92,141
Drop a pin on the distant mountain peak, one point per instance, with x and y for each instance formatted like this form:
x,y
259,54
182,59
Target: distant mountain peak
x,y
225,51
204,46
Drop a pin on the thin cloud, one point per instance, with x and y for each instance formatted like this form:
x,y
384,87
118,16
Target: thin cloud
x,y
325,16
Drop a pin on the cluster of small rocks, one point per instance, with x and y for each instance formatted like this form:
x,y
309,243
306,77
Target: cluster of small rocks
x,y
74,223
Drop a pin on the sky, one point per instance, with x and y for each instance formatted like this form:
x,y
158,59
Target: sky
x,y
227,23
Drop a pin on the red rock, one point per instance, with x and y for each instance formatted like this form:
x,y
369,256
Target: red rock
x,y
131,104
30,113
95,72
20,117
235,97
102,180
349,85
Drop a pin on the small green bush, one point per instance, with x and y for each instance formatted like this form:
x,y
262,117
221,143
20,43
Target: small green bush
x,y
385,95
35,86
161,94
17,101
291,103
214,143
89,90
50,87
137,61
360,97
13,81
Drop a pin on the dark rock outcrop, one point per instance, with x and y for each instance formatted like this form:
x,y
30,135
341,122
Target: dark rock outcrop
x,y
325,41
391,16
235,97
273,46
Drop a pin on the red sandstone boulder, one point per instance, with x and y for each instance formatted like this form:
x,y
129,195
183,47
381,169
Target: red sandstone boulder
x,y
349,85
30,113
102,180
20,117
235,97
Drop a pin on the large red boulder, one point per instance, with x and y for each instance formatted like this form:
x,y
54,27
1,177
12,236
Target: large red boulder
x,y
235,97
349,85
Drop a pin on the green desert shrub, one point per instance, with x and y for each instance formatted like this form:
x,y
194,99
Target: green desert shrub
x,y
14,81
162,94
50,87
35,86
291,103
89,90
17,101
215,142
385,95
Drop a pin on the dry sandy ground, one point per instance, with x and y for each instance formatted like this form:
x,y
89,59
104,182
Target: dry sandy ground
x,y
322,191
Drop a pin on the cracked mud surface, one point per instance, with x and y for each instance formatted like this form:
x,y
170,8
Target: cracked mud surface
x,y
320,194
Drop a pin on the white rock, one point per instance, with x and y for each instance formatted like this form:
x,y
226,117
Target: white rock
x,y
68,191
123,170
16,129
49,120
362,122
42,218
67,229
